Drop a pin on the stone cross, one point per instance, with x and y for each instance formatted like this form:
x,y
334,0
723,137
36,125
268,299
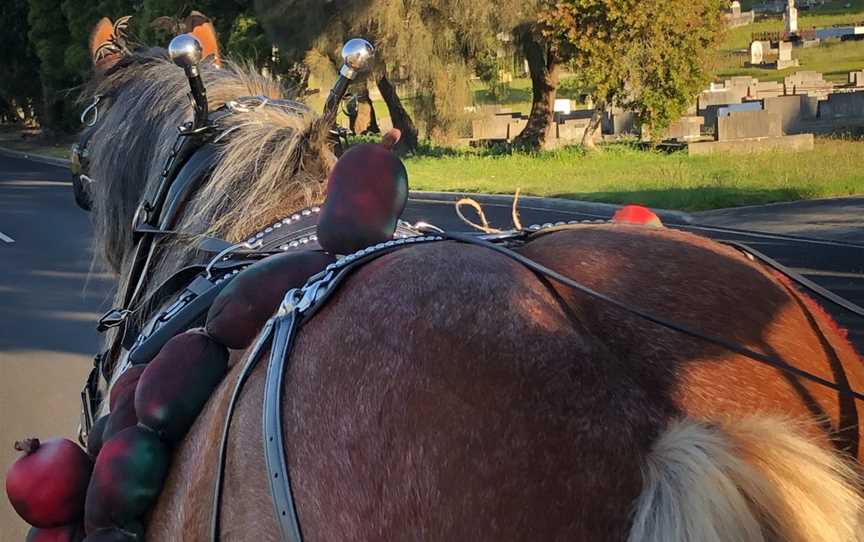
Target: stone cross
x,y
736,8
791,17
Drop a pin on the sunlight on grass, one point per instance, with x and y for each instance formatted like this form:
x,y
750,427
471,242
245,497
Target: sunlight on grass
x,y
624,174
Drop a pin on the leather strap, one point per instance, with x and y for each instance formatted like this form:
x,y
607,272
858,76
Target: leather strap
x,y
798,278
274,449
251,363
540,269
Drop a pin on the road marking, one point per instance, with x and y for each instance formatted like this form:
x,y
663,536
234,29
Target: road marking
x,y
5,238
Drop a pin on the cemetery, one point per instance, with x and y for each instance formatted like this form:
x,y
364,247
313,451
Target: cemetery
x,y
741,114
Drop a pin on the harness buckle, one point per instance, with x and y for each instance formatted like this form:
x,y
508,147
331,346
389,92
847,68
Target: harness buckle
x,y
90,399
112,318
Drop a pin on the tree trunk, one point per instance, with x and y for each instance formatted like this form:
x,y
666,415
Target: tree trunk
x,y
588,136
364,122
543,67
400,117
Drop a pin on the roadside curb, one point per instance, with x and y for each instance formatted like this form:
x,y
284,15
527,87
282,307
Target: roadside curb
x,y
50,160
553,204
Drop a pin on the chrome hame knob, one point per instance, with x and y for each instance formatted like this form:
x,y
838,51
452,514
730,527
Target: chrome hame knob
x,y
357,57
185,50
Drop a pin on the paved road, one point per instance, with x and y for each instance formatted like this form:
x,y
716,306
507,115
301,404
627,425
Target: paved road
x,y
48,302
49,299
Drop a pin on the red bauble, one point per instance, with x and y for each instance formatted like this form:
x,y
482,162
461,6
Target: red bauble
x,y
48,484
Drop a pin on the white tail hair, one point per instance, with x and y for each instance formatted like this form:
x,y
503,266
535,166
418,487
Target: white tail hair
x,y
749,480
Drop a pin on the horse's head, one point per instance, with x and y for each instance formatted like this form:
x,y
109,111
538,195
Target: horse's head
x,y
270,161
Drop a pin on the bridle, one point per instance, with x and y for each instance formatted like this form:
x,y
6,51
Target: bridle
x,y
186,168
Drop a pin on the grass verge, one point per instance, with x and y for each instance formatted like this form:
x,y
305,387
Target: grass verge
x,y
16,139
625,174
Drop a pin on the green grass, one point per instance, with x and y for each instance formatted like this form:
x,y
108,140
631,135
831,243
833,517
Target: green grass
x,y
12,137
625,174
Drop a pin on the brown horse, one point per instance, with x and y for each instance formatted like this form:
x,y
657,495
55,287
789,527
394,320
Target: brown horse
x,y
447,392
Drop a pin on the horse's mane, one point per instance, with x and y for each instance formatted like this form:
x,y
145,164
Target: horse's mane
x,y
274,163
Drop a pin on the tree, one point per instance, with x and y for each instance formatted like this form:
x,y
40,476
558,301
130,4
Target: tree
x,y
648,56
543,66
20,89
424,46
49,37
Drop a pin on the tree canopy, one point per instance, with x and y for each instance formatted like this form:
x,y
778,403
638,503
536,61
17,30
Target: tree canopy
x,y
648,56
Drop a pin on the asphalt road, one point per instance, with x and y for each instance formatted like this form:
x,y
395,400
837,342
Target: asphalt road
x,y
48,303
50,298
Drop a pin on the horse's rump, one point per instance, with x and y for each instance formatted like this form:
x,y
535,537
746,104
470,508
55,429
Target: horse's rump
x,y
447,392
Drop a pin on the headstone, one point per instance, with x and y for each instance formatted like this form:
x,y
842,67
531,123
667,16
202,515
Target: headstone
x,y
562,106
687,128
856,79
791,17
748,125
794,112
736,8
842,106
515,127
617,121
735,108
807,82
784,58
757,54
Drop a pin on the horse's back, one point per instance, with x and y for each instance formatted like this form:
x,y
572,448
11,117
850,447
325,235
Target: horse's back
x,y
447,392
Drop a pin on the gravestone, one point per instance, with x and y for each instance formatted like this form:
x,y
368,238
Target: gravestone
x,y
842,106
725,111
791,17
494,127
795,112
617,121
856,79
784,58
562,106
757,53
748,125
807,82
736,8
515,127
685,129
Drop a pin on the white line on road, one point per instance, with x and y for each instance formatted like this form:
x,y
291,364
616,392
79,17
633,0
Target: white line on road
x,y
5,238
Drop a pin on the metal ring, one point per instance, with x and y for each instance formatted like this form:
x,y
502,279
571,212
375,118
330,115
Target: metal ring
x,y
94,107
208,271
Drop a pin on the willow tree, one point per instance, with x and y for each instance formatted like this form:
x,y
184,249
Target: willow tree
x,y
648,56
423,46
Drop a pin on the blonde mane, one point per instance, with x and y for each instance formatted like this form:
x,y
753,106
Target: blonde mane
x,y
274,162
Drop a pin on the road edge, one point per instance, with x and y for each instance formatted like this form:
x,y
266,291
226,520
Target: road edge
x,y
50,160
553,204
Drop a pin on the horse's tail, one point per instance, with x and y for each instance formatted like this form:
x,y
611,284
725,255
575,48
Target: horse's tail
x,y
757,479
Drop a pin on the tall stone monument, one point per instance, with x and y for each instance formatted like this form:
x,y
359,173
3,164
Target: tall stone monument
x,y
791,17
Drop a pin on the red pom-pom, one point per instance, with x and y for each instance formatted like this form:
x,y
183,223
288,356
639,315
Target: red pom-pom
x,y
637,214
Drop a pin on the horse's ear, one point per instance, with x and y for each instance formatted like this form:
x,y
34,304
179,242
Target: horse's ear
x,y
108,43
199,25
